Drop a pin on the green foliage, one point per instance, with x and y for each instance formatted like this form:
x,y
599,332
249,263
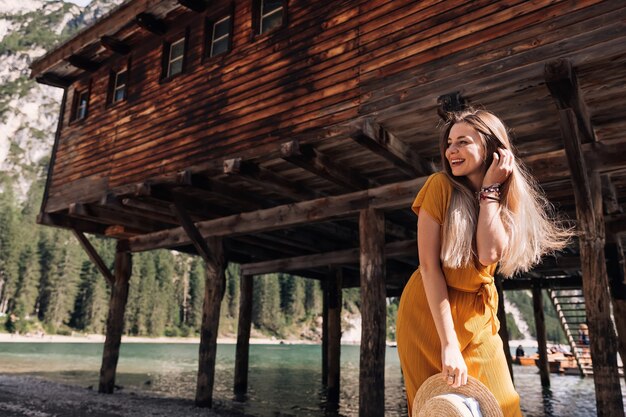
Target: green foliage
x,y
514,331
392,314
35,29
524,302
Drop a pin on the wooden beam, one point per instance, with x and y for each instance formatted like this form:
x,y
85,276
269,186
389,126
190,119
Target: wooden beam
x,y
111,23
195,5
562,82
200,184
337,258
83,63
115,45
516,284
168,194
373,312
603,341
243,335
118,231
54,80
108,216
266,179
390,197
542,347
136,208
115,321
194,235
310,159
93,255
65,222
213,294
383,143
151,23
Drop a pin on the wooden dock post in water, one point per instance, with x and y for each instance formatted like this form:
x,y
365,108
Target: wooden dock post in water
x,y
243,335
213,293
373,313
504,330
540,326
115,320
211,250
575,124
334,334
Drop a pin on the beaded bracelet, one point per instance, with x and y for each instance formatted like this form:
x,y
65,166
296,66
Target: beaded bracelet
x,y
493,188
484,192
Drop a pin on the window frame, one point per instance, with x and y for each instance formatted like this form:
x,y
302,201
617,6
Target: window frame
x,y
211,43
79,92
257,19
166,55
113,86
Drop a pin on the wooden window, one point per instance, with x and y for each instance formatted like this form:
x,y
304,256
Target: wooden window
x,y
176,55
220,36
119,81
271,15
81,104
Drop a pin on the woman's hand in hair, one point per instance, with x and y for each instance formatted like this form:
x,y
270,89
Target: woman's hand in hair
x,y
453,365
501,167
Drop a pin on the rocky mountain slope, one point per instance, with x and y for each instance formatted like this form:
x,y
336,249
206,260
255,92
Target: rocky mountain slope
x,y
29,111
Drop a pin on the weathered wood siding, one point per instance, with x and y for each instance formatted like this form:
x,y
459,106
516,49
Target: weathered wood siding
x,y
331,63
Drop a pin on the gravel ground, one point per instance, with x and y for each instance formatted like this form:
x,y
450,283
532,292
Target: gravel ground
x,y
34,397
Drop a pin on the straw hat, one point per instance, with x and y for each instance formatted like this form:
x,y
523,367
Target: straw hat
x,y
436,398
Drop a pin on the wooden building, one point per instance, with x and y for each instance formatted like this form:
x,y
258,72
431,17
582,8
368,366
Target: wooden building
x,y
289,135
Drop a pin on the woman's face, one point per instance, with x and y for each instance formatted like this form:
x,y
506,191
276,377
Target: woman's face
x,y
465,152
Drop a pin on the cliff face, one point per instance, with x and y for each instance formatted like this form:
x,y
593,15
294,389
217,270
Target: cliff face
x,y
29,111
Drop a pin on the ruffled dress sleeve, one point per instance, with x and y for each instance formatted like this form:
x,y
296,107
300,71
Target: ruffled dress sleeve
x,y
434,197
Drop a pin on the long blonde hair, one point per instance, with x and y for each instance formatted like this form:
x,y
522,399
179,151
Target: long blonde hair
x,y
526,214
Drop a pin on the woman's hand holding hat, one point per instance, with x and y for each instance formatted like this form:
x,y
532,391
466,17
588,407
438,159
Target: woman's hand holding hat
x,y
454,369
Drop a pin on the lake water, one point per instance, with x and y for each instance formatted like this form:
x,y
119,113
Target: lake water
x,y
285,380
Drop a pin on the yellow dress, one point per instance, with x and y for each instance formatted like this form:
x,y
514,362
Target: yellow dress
x,y
474,304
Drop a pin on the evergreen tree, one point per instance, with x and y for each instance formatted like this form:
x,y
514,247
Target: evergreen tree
x,y
28,281
312,297
266,311
196,293
61,287
291,298
91,304
232,290
9,249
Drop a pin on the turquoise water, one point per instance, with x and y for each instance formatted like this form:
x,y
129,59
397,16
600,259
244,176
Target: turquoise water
x,y
284,380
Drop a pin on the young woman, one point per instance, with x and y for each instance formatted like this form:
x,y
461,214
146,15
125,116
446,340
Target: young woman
x,y
483,210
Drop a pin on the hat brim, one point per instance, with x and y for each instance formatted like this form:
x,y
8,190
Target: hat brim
x,y
436,385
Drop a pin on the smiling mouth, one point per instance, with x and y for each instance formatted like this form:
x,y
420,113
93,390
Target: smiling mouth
x,y
456,162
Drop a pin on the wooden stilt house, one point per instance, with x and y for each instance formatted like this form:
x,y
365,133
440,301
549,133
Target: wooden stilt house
x,y
289,135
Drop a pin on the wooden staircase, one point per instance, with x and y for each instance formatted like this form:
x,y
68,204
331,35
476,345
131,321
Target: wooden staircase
x,y
570,308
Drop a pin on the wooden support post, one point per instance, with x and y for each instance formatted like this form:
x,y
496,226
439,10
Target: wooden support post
x,y
373,312
334,335
540,326
115,321
615,270
243,336
615,263
94,257
602,338
213,293
325,289
504,330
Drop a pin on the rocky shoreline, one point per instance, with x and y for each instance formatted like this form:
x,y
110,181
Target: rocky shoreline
x,y
23,395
